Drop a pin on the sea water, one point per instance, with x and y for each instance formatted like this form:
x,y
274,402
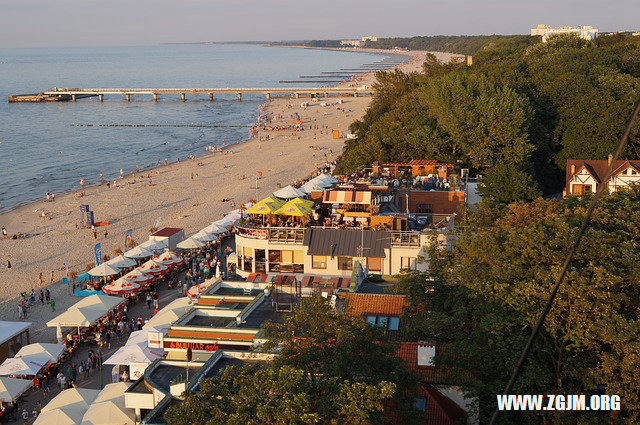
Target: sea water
x,y
49,147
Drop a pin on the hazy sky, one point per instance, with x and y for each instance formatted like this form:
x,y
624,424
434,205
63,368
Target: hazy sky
x,y
34,23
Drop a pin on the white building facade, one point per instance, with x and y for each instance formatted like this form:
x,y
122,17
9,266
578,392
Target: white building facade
x,y
585,32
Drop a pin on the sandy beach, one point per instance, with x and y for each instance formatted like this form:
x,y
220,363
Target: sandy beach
x,y
184,194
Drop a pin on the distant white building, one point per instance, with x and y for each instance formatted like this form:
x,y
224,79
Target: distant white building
x,y
366,38
585,32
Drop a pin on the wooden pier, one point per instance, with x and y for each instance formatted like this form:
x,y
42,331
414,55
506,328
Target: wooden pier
x,y
61,95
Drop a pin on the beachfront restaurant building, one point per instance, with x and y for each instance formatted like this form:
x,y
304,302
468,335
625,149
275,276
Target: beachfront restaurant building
x,y
328,251
13,336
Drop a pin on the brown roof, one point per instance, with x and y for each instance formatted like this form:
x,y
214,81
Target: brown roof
x,y
167,231
408,352
597,168
359,304
347,242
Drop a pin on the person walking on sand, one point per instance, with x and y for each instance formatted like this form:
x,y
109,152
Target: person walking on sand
x,y
106,234
4,233
52,272
41,279
8,265
20,312
95,233
121,173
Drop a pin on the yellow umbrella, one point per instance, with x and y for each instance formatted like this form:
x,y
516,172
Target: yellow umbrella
x,y
265,206
295,208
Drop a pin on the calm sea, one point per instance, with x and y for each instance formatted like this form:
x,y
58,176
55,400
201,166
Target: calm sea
x,y
46,147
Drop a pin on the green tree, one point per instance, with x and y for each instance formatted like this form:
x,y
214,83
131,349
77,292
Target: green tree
x,y
483,299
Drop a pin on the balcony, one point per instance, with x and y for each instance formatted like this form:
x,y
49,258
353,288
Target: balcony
x,y
273,234
406,239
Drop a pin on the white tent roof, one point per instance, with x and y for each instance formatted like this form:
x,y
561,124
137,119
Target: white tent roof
x,y
138,276
10,329
109,413
215,229
104,269
154,245
121,262
288,192
77,317
205,236
11,389
26,365
190,243
53,351
138,252
169,314
96,301
169,257
134,353
312,185
73,398
113,392
327,178
60,417
141,337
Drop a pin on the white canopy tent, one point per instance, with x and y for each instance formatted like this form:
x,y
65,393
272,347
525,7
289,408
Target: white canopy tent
x,y
109,413
190,243
138,252
122,262
53,351
66,416
169,314
104,269
289,192
312,185
327,178
142,336
154,245
26,365
11,389
76,318
103,302
205,237
73,398
215,229
134,353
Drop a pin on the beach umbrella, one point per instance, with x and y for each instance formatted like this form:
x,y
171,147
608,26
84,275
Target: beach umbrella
x,y
154,245
122,262
311,185
11,389
104,269
328,178
190,243
138,252
27,365
121,286
67,416
294,209
153,267
215,229
73,398
169,258
205,237
139,277
52,351
265,206
289,192
134,353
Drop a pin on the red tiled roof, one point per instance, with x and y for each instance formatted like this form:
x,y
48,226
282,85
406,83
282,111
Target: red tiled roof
x,y
440,408
408,352
359,304
167,231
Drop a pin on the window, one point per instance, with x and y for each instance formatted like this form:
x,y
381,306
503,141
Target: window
x,y
345,263
287,256
383,321
375,264
372,320
634,172
425,208
420,404
394,323
408,263
587,188
319,261
274,256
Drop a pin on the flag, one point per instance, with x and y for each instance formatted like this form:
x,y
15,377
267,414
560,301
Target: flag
x,y
98,251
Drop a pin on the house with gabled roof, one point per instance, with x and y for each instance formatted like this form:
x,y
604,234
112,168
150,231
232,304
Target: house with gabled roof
x,y
586,176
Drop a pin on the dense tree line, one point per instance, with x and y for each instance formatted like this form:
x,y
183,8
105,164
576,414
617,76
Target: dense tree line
x,y
516,115
483,299
461,44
